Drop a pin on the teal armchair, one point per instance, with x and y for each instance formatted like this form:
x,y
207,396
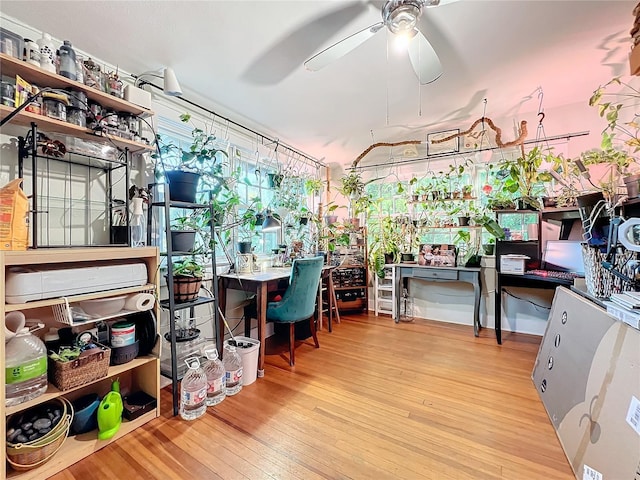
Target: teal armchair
x,y
299,301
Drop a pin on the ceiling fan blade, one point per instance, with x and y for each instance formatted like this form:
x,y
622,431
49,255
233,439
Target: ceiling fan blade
x,y
341,48
281,59
424,59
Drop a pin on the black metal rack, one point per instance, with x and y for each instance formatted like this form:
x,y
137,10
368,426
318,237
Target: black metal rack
x,y
170,304
28,148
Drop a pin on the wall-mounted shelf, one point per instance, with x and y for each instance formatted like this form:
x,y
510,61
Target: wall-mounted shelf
x,y
11,66
51,125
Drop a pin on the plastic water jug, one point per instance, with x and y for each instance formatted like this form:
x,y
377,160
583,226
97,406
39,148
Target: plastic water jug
x,y
25,368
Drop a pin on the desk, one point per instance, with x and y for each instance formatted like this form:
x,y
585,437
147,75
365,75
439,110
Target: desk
x,y
259,283
440,274
526,281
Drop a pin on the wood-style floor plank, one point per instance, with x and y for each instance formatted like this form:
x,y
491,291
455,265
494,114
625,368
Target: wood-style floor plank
x,y
421,400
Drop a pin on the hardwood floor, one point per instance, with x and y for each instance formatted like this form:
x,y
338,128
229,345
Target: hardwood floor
x,y
422,400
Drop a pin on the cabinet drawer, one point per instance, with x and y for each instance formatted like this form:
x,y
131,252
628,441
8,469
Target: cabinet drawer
x,y
435,273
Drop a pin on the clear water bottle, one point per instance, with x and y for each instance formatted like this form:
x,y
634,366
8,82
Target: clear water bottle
x,y
216,377
138,223
233,368
26,368
193,391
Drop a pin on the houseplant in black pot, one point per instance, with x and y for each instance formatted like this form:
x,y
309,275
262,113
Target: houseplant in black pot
x,y
184,167
183,233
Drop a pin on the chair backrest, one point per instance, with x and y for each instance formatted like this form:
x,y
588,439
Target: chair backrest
x,y
299,301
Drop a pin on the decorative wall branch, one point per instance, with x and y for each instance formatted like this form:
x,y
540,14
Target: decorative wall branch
x,y
498,130
383,144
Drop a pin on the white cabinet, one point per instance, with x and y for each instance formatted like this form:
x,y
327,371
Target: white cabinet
x,y
384,292
140,374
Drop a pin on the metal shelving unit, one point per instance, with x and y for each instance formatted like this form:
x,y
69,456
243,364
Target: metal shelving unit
x,y
170,304
43,170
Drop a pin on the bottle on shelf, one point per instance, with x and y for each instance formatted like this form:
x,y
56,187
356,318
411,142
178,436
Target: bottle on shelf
x,y
193,391
26,368
216,377
138,223
47,53
52,340
67,60
233,368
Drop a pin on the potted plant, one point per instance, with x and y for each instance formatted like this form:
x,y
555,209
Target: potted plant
x,y
489,247
187,279
183,167
183,233
247,222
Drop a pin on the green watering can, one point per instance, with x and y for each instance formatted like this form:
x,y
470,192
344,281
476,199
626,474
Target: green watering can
x,y
110,413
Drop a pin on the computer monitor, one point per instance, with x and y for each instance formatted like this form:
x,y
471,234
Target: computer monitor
x,y
563,256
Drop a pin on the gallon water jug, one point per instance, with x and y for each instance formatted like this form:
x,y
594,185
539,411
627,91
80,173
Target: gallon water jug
x,y
193,391
216,377
233,368
25,368
67,60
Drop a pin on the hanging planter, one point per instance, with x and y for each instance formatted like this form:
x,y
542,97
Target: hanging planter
x,y
274,180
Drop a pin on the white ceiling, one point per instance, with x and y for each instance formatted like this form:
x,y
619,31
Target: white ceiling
x,y
244,58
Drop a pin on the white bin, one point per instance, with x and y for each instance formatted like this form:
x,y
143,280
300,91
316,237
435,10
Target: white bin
x,y
249,357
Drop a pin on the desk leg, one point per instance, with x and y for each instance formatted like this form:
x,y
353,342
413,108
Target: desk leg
x,y
222,305
477,289
319,305
498,312
261,302
398,291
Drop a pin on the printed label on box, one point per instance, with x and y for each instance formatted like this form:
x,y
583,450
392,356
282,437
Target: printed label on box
x,y
633,415
591,474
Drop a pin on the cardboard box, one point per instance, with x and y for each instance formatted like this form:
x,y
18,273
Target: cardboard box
x,y
513,264
587,374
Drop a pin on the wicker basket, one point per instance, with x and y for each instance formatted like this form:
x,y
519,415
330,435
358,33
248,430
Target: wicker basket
x,y
25,456
186,289
91,365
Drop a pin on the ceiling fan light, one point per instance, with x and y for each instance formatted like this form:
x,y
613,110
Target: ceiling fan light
x,y
401,16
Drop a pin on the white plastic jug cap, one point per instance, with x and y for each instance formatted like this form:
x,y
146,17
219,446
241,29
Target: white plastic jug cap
x,y
23,330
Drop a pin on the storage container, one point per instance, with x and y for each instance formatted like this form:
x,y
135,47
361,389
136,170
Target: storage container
x,y
11,43
91,365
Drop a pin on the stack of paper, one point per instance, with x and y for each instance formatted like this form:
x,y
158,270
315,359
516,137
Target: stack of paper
x,y
625,307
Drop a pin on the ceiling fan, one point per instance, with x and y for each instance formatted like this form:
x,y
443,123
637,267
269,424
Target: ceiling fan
x,y
401,18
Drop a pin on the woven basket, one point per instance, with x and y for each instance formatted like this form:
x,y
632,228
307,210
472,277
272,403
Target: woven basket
x,y
186,289
25,456
91,365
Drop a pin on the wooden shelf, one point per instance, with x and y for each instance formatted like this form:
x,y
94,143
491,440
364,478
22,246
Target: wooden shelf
x,y
349,288
11,67
79,445
142,373
53,392
10,307
51,125
41,256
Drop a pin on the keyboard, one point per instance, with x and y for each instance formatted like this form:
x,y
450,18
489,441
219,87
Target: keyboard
x,y
552,274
